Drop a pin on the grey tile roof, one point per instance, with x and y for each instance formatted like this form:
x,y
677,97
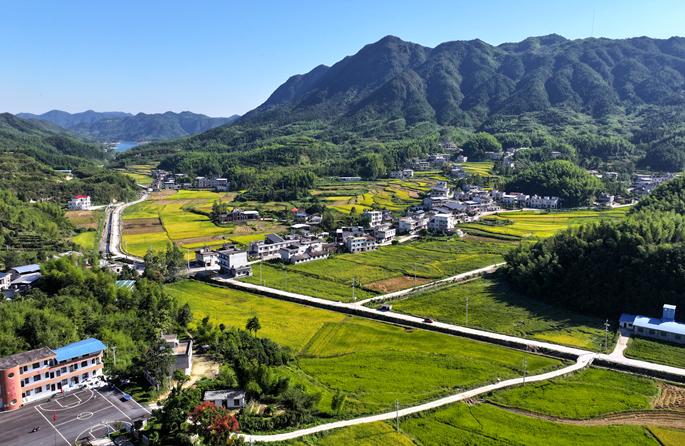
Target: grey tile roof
x,y
28,357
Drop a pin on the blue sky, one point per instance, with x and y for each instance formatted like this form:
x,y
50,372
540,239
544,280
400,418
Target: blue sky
x,y
226,57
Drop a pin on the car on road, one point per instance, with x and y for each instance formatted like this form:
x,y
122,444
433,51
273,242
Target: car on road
x,y
428,320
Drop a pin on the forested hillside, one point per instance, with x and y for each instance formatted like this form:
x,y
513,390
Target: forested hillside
x,y
31,137
634,265
65,119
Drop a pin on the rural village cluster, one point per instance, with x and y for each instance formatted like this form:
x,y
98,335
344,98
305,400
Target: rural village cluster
x,y
39,374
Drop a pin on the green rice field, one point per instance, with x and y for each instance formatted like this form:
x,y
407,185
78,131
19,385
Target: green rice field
x,y
374,363
494,307
484,425
659,352
86,240
587,394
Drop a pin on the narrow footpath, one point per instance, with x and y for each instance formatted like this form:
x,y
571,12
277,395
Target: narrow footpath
x,y
582,362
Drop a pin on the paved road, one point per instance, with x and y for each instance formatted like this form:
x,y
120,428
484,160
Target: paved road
x,y
116,230
582,361
74,415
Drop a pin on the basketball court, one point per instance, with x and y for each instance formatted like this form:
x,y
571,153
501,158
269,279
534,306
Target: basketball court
x,y
63,419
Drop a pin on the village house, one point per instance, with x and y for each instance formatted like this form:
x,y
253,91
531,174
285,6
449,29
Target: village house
x,y
665,329
442,222
5,279
360,244
346,231
239,215
206,257
271,245
79,203
376,217
383,233
349,179
233,262
605,200
461,159
213,181
306,250
412,224
231,399
41,373
182,351
402,174
543,202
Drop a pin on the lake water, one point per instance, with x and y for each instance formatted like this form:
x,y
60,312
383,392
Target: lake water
x,y
125,145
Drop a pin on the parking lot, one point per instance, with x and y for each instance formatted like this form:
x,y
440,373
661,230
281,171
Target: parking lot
x,y
66,418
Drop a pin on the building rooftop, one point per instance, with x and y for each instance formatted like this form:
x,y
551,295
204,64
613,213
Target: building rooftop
x,y
657,324
228,394
125,284
26,269
28,357
26,279
85,347
273,238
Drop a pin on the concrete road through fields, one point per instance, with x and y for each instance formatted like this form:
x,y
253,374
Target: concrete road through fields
x,y
73,416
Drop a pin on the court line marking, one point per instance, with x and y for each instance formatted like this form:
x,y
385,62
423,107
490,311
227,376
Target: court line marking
x,y
112,404
53,426
81,419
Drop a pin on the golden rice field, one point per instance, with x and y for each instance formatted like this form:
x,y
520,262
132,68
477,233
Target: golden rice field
x,y
480,167
540,224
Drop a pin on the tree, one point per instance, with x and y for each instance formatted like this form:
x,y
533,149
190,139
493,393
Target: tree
x,y
479,143
185,315
159,360
215,424
181,377
253,325
338,402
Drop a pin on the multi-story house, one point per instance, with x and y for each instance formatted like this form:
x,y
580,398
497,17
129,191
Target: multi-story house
x,y
234,262
360,244
40,373
79,203
442,222
376,217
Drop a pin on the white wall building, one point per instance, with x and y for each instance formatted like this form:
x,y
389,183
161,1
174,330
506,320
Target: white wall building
x,y
442,222
80,203
375,216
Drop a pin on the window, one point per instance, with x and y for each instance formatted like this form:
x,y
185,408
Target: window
x,y
13,402
84,364
47,375
39,389
677,336
64,370
22,383
236,402
640,329
36,365
45,362
36,378
85,376
65,382
11,375
652,332
663,333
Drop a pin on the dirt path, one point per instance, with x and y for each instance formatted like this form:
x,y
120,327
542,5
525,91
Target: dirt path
x,y
661,418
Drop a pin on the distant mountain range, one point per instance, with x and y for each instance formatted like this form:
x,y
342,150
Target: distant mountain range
x,y
114,126
66,120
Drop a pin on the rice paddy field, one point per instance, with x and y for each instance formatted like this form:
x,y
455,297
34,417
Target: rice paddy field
x,y
482,168
588,394
482,424
85,219
494,307
374,363
372,434
87,240
391,268
166,217
538,224
651,350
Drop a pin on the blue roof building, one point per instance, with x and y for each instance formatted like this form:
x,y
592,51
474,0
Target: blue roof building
x,y
81,348
665,329
22,270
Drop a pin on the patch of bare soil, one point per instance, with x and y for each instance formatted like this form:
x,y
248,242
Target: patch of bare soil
x,y
671,397
203,366
395,284
162,194
142,226
206,239
661,418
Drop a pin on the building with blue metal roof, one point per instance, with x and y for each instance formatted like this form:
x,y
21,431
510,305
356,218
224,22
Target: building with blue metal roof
x,y
665,329
19,271
78,349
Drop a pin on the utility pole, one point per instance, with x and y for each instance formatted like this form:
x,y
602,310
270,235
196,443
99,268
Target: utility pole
x,y
414,274
525,361
467,311
285,280
114,352
397,407
353,290
188,254
260,273
606,335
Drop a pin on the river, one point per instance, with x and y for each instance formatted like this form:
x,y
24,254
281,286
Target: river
x,y
123,146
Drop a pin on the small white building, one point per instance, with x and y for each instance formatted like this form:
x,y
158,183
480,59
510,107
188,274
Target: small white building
x,y
232,399
543,202
206,257
234,262
80,203
349,179
384,233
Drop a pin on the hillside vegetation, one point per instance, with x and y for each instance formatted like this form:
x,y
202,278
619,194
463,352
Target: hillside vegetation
x,y
634,265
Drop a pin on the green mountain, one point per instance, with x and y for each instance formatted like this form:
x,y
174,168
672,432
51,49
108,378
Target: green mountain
x,y
65,119
50,144
144,127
